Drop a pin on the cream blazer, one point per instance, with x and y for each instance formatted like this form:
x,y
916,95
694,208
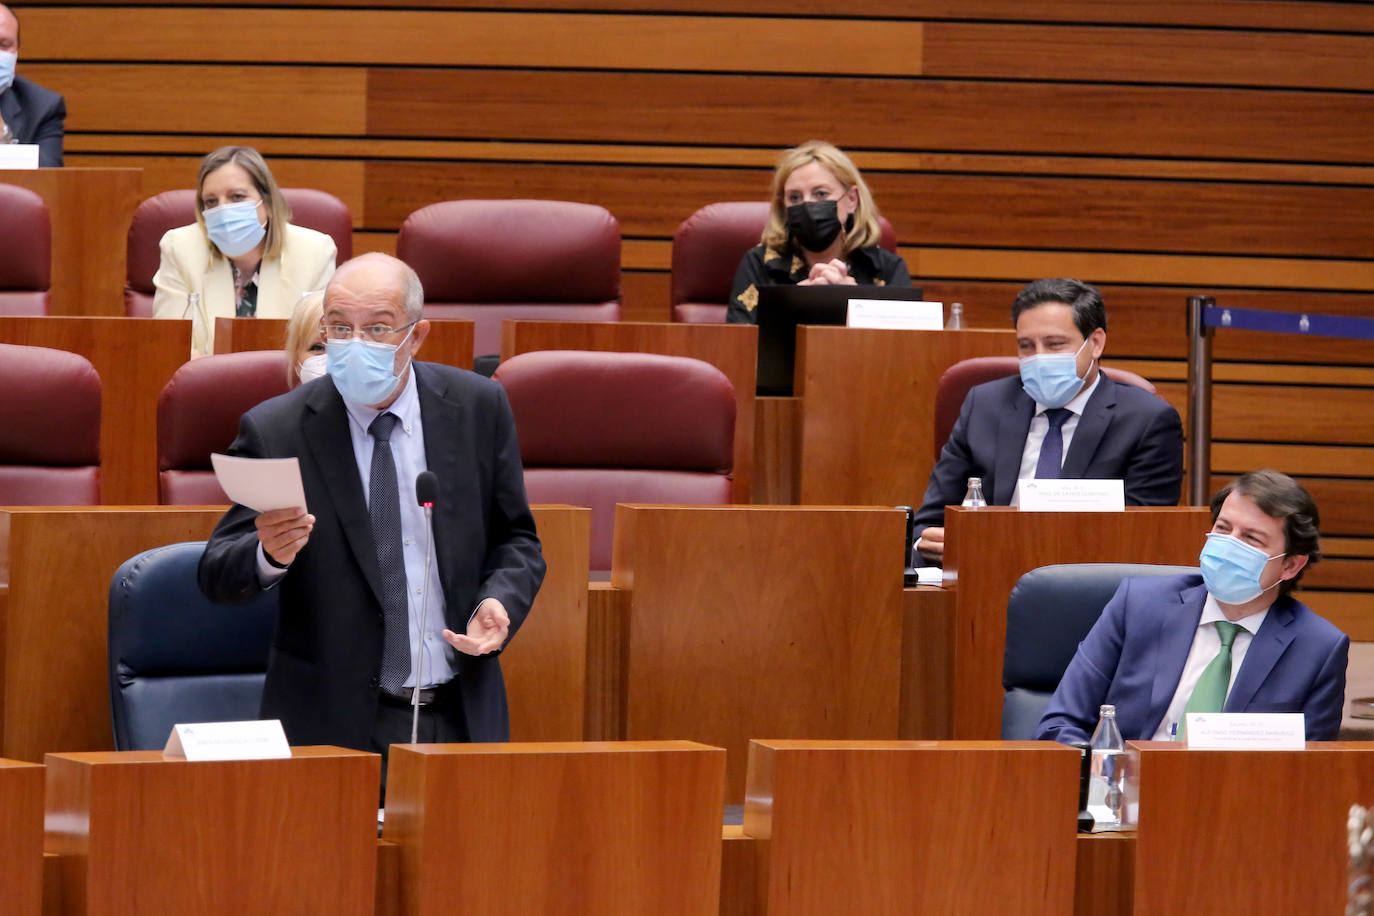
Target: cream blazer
x,y
190,264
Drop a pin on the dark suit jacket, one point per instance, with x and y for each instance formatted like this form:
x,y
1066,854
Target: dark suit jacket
x,y
1125,432
1134,656
35,115
326,652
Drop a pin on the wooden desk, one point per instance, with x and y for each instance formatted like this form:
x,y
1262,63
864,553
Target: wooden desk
x,y
137,833
987,550
732,349
135,357
545,666
57,563
913,827
90,211
617,827
743,621
21,837
868,409
449,342
1225,832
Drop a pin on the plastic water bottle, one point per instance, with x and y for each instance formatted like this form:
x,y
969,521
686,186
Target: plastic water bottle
x,y
1106,776
956,317
973,496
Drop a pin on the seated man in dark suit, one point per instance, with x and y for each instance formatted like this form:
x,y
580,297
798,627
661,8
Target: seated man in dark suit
x,y
1224,641
1062,417
28,112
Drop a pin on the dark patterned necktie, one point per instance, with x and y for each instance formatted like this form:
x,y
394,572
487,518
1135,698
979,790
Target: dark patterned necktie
x,y
384,508
1052,449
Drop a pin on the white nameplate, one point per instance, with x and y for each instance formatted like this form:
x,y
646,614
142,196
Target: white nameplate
x,y
1071,495
18,155
256,740
1247,731
896,314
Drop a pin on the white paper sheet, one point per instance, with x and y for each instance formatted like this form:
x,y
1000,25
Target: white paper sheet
x,y
261,484
19,156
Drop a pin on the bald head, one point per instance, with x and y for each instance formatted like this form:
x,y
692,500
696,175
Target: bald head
x,y
9,29
377,280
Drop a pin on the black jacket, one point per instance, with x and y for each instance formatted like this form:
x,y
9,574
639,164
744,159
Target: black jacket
x,y
769,267
35,115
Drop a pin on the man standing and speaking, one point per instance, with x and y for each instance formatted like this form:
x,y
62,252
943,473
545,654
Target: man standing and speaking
x,y
28,112
351,563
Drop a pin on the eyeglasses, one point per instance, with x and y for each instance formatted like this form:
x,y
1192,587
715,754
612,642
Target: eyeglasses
x,y
372,332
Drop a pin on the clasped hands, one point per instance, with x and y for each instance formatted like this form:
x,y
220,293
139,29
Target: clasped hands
x,y
283,532
834,272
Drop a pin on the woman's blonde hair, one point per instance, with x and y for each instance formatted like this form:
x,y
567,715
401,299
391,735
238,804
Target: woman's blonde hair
x,y
302,332
866,232
251,161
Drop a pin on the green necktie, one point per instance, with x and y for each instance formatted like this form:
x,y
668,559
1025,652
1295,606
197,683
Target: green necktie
x,y
1209,694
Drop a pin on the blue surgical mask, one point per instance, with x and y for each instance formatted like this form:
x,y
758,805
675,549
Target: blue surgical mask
x,y
1231,568
7,61
234,228
363,370
1052,379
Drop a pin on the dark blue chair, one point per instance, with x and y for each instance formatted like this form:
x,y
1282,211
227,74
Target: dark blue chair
x,y
175,656
1049,612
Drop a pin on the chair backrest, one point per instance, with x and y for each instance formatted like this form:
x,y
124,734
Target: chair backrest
x,y
598,428
485,260
176,656
956,381
310,208
198,413
1049,612
50,423
707,248
25,252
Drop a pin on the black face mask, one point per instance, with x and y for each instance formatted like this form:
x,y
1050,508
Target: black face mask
x,y
815,225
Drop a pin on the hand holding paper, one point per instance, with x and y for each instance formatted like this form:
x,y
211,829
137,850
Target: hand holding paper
x,y
283,532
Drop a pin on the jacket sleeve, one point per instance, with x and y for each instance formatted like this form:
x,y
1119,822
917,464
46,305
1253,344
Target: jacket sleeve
x,y
949,477
1073,710
1154,476
744,292
1326,703
228,570
48,135
895,271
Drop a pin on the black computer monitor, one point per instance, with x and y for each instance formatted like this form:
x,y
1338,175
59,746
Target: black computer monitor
x,y
782,308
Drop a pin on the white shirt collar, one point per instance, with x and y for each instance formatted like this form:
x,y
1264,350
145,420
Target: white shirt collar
x,y
406,407
1211,613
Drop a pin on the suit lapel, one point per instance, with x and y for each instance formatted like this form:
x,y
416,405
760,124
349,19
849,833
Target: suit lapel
x,y
1177,627
1092,426
13,113
1011,442
1265,650
440,416
331,449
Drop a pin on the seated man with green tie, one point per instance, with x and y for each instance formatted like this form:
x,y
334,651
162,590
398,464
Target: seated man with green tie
x,y
1232,639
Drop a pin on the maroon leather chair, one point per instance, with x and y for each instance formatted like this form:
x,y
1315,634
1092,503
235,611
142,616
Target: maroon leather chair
x,y
25,252
956,381
707,248
310,208
600,428
198,413
49,428
485,260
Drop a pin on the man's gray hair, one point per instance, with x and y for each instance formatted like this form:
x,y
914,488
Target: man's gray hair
x,y
412,293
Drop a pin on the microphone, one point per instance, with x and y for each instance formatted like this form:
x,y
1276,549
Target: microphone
x,y
426,494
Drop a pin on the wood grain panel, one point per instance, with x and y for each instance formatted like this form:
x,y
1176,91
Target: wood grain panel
x,y
738,854
645,296
1136,55
988,550
545,667
608,624
1281,413
927,662
1190,832
1104,876
56,688
1129,216
139,832
21,836
473,39
793,663
731,349
1253,14
777,459
192,98
894,114
913,827
539,821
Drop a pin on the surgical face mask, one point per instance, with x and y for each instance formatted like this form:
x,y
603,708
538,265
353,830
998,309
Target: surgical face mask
x,y
1231,569
234,228
364,371
814,225
313,367
1052,378
7,61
